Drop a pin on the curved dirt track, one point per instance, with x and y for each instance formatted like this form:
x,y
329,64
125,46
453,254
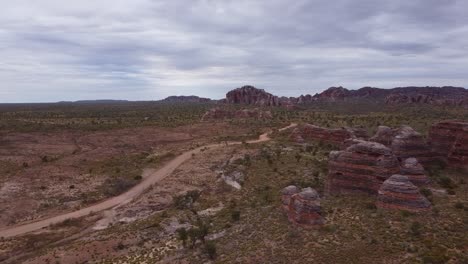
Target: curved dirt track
x,y
126,197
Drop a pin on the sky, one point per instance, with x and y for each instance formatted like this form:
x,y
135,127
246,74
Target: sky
x,y
54,50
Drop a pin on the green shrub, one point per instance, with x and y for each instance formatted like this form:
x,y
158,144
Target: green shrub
x,y
210,249
235,215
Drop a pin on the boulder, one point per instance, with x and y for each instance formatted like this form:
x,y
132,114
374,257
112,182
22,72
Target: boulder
x,y
414,171
286,194
304,208
360,168
397,192
449,141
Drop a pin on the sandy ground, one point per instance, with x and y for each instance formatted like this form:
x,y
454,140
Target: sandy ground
x,y
31,189
126,197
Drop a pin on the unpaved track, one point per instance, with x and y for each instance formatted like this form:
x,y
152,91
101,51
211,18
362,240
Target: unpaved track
x,y
126,197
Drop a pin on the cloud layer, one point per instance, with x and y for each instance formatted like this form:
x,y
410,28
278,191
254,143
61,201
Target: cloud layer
x,y
54,50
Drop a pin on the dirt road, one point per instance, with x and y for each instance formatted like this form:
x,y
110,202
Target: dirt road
x,y
126,197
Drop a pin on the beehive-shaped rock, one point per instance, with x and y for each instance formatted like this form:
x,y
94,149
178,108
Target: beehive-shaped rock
x,y
304,208
286,194
414,171
361,168
397,192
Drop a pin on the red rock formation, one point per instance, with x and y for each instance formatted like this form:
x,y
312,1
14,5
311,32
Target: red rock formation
x,y
220,113
334,136
405,142
397,192
414,171
384,135
304,208
252,96
361,168
286,194
409,143
449,140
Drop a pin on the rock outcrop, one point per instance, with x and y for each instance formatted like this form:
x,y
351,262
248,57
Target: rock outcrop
x,y
384,135
408,143
447,95
449,140
220,113
405,143
304,208
361,168
286,194
414,171
397,192
250,95
334,136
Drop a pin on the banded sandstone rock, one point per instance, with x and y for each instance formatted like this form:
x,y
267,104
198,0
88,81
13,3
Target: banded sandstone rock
x,y
397,192
304,208
409,143
405,143
449,140
361,168
286,194
414,171
384,135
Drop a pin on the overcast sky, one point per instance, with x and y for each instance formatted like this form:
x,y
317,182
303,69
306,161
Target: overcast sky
x,y
52,50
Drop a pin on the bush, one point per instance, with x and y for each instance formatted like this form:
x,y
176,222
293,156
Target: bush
x,y
182,235
235,215
459,205
210,249
446,182
426,192
415,229
187,200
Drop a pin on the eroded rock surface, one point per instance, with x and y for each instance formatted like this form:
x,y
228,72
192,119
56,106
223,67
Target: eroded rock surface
x,y
286,194
304,208
414,171
405,143
397,192
252,96
449,140
361,168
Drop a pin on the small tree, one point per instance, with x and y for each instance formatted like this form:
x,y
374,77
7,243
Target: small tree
x,y
210,249
182,235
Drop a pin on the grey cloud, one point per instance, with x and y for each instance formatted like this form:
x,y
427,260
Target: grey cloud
x,y
150,49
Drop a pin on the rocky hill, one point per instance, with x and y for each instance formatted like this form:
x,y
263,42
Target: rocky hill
x,y
447,95
252,96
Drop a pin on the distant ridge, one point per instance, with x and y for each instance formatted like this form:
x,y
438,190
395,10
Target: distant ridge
x,y
186,99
